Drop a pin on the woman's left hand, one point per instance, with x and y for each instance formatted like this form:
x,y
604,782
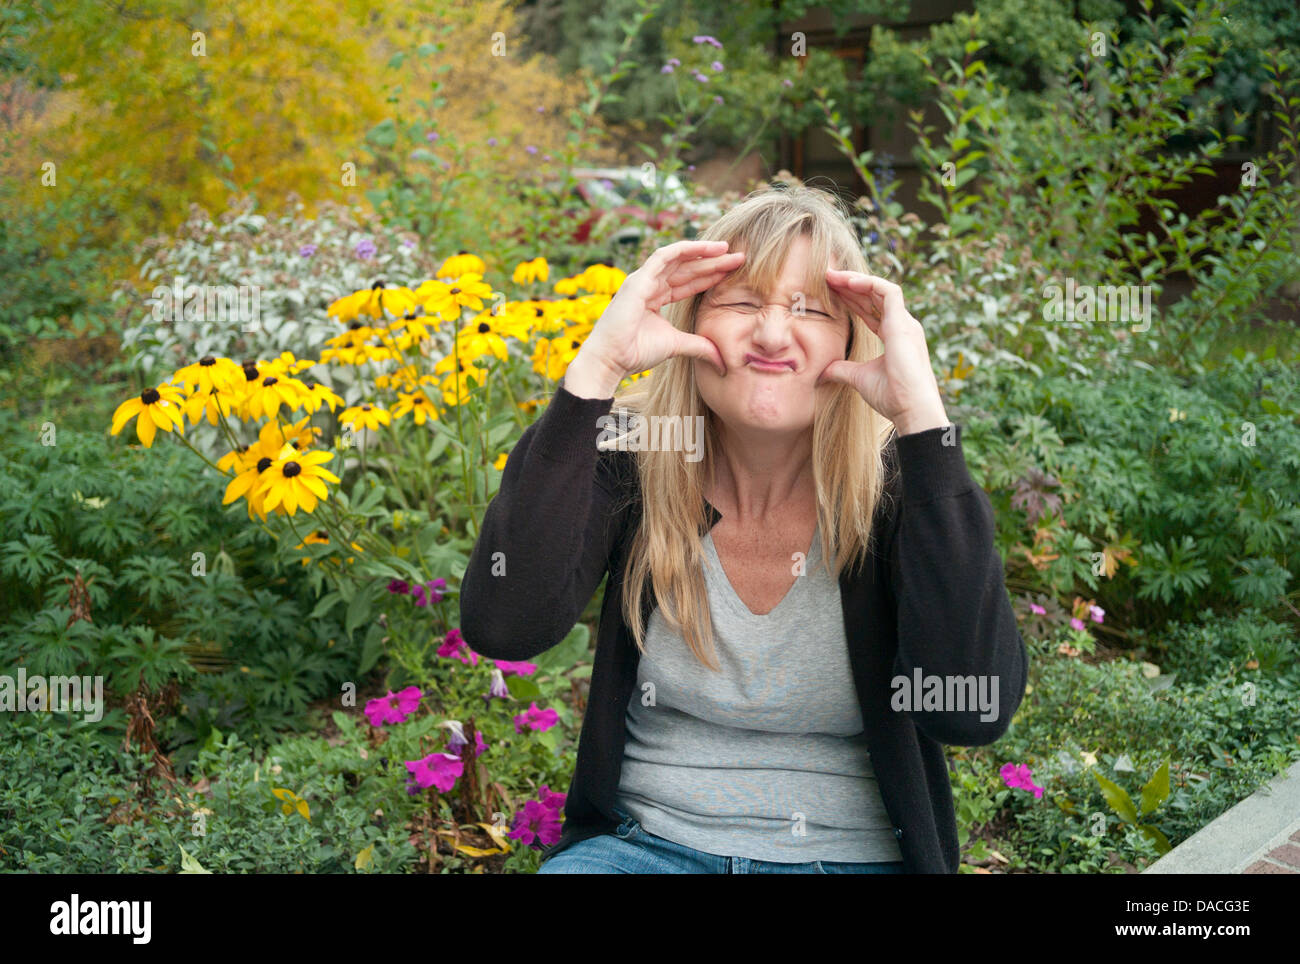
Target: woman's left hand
x,y
900,383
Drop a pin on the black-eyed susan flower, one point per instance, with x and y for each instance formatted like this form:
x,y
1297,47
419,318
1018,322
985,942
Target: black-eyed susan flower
x,y
480,337
461,263
213,404
296,480
267,395
365,416
551,356
157,408
286,364
358,303
209,374
467,291
455,387
318,395
418,404
526,272
500,462
246,484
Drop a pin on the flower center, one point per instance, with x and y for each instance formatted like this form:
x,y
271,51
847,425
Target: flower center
x,y
207,360
263,464
291,469
150,396
250,371
483,326
269,380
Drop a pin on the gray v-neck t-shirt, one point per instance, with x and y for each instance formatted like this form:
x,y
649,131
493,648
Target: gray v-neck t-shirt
x,y
766,759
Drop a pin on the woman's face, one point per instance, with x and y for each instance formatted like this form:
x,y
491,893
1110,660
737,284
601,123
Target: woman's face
x,y
773,355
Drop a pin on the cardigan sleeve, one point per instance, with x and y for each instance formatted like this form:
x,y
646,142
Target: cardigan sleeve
x,y
546,537
954,616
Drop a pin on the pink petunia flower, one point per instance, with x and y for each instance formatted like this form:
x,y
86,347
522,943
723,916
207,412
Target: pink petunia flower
x,y
522,669
1098,614
536,719
1035,608
439,770
453,647
1020,777
1076,623
536,824
393,708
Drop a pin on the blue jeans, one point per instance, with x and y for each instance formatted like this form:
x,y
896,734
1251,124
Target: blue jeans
x,y
631,849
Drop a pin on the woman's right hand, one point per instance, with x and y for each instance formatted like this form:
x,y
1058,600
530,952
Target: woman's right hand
x,y
632,336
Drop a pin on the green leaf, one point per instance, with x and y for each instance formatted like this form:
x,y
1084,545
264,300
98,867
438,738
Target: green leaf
x,y
372,650
191,866
327,602
1118,798
358,611
1156,789
523,689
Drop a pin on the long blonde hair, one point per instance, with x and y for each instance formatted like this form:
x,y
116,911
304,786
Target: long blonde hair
x,y
666,553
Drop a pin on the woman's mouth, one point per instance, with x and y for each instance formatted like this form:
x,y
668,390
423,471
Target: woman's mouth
x,y
768,365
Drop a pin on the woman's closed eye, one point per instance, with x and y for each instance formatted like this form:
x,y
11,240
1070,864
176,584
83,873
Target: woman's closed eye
x,y
751,306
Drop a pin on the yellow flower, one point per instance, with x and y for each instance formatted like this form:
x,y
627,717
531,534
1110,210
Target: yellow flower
x,y
552,356
529,271
286,364
365,416
500,463
296,480
209,374
455,387
1175,415
293,802
265,398
157,408
214,403
480,337
602,279
318,395
467,292
243,484
461,263
417,402
358,303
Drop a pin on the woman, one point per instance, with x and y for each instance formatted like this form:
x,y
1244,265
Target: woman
x,y
797,616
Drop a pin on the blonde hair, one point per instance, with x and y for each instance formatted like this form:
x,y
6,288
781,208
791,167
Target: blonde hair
x,y
666,554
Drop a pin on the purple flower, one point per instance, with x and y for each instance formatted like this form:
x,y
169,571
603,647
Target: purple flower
x,y
1076,623
700,77
717,98
1020,777
492,142
453,644
457,739
307,250
1098,614
399,586
531,149
431,136
536,824
536,719
706,39
787,82
498,688
393,708
429,593
666,69
1035,608
366,249
674,62
717,66
523,669
437,770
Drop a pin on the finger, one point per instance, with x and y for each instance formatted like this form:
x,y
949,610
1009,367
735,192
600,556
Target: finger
x,y
702,282
681,250
686,270
883,293
697,346
863,305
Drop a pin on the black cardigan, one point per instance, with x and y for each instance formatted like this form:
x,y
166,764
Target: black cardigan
x,y
934,600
